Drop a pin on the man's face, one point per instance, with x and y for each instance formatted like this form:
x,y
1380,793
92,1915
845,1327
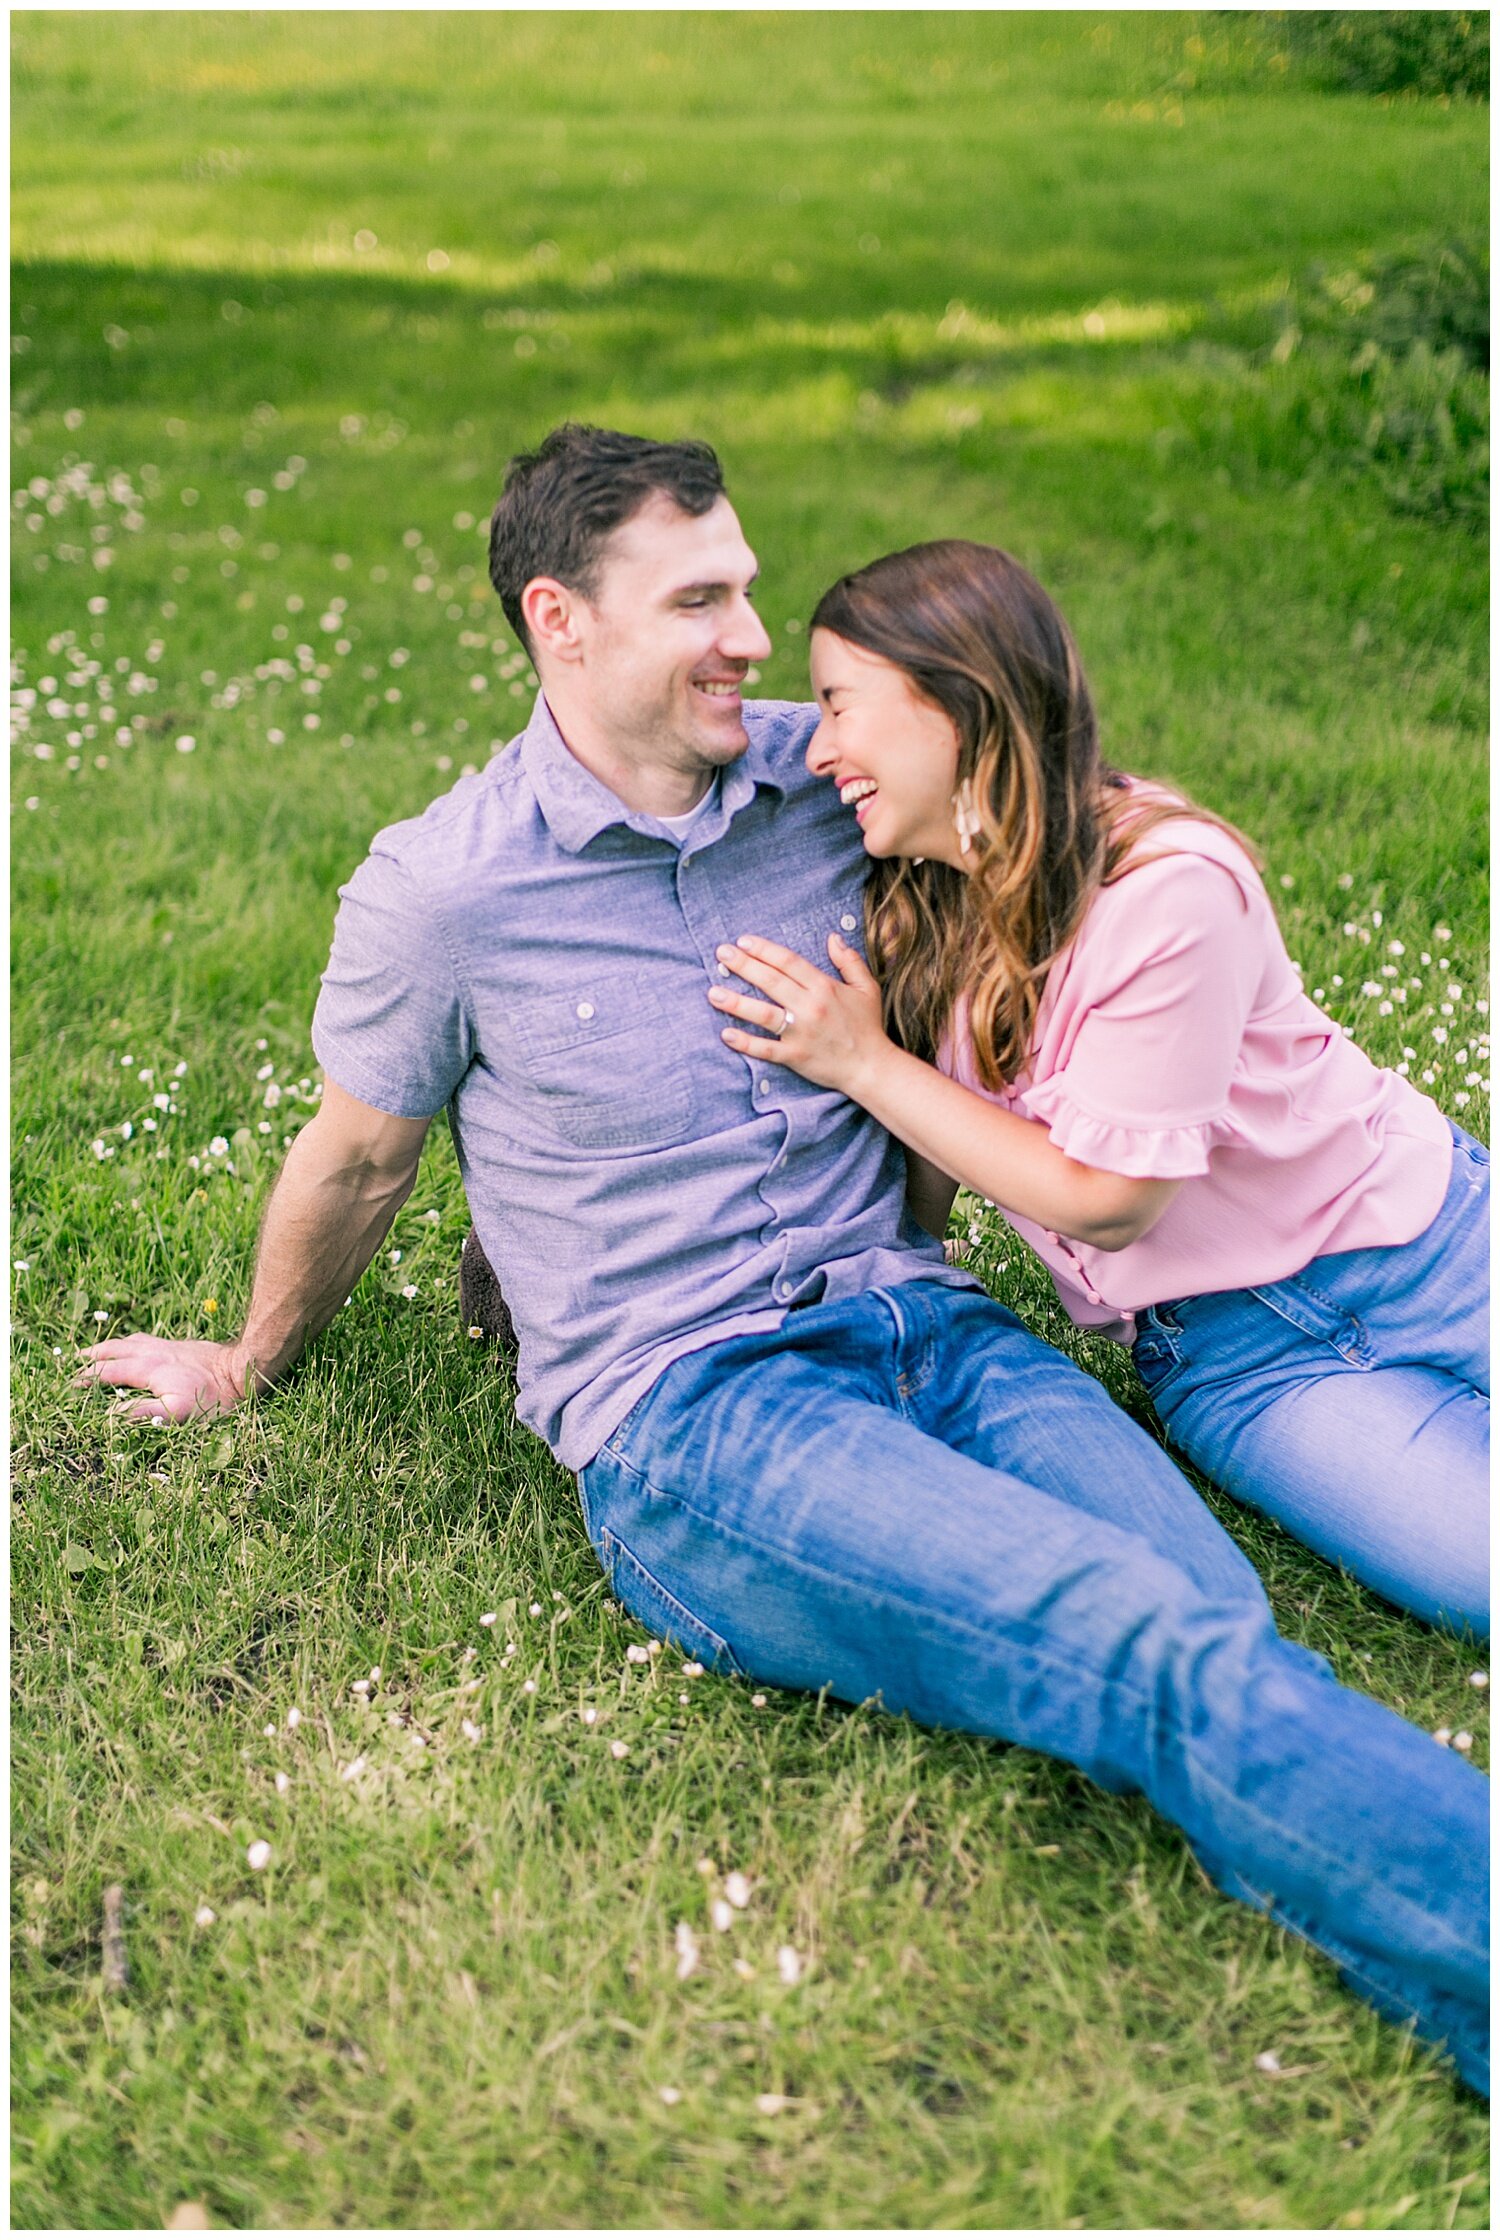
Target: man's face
x,y
667,636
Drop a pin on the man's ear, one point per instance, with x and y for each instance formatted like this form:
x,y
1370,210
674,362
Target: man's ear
x,y
552,619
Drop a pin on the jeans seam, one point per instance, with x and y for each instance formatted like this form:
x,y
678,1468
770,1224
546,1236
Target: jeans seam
x,y
1360,1354
1297,1843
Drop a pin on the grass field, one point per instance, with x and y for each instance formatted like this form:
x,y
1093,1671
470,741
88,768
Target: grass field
x,y
289,290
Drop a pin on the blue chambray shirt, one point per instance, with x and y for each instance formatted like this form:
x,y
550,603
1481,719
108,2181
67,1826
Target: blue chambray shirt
x,y
536,957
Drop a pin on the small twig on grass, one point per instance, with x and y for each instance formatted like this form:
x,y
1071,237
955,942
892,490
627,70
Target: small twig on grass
x,y
116,1968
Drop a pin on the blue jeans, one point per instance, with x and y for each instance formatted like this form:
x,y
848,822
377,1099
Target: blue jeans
x,y
906,1494
1351,1402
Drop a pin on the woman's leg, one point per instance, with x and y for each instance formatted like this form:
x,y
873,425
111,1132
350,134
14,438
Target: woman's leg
x,y
1350,1402
1386,1473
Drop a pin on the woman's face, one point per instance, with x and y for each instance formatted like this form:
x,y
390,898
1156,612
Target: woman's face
x,y
892,754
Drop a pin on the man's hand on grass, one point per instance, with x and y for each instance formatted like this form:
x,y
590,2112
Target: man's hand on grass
x,y
181,1377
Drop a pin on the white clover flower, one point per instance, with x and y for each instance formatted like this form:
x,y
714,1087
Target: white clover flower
x,y
721,1914
469,1731
758,1702
535,1610
688,1953
408,1291
205,1917
1269,2064
737,1890
635,1654
589,1715
788,1963
619,1749
692,1670
259,1854
528,1687
669,2095
294,1717
775,2103
1463,1740
354,1769
283,1783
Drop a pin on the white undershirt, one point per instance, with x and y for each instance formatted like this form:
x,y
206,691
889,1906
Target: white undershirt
x,y
680,827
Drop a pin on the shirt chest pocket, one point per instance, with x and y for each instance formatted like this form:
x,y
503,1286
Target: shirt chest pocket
x,y
600,1065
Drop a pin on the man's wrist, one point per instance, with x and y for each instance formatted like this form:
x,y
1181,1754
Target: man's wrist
x,y
244,1372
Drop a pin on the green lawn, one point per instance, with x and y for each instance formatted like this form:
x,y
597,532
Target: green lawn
x,y
289,291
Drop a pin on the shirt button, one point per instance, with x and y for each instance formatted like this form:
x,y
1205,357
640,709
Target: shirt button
x,y
847,922
783,1291
723,971
686,861
763,1088
585,1011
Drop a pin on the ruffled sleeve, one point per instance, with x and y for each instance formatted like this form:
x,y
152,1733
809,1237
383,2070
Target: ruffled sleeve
x,y
1137,1057
1162,1154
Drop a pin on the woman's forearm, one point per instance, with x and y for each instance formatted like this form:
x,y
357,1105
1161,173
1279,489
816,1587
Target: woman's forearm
x,y
1006,1158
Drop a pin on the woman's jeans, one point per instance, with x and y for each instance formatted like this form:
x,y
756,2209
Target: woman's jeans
x,y
1351,1402
905,1494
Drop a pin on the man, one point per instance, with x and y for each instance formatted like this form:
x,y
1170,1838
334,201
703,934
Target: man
x,y
807,1448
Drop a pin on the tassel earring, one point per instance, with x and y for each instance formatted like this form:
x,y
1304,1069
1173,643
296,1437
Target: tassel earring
x,y
966,821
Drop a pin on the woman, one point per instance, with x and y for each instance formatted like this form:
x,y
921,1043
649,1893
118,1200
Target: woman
x,y
1090,1018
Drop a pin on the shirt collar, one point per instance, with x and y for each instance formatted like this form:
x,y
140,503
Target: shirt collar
x,y
577,806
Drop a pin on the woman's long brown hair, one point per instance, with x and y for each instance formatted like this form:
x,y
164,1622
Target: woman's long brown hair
x,y
979,638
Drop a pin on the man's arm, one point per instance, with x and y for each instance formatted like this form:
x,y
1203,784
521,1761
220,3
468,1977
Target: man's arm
x,y
344,1179
929,1194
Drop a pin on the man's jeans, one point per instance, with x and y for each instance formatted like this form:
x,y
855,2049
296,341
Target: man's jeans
x,y
905,1494
1351,1401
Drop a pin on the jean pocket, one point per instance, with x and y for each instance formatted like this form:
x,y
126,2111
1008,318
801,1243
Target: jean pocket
x,y
659,1611
1155,1350
1319,1317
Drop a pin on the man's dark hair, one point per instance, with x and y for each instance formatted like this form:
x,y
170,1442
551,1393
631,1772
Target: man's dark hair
x,y
561,502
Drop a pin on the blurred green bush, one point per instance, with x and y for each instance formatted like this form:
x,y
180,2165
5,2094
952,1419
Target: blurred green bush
x,y
1379,369
1433,51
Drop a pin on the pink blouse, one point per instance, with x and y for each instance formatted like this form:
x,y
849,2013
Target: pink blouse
x,y
1174,1040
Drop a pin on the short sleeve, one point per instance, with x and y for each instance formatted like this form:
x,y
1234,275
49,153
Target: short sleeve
x,y
1158,1009
390,1025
